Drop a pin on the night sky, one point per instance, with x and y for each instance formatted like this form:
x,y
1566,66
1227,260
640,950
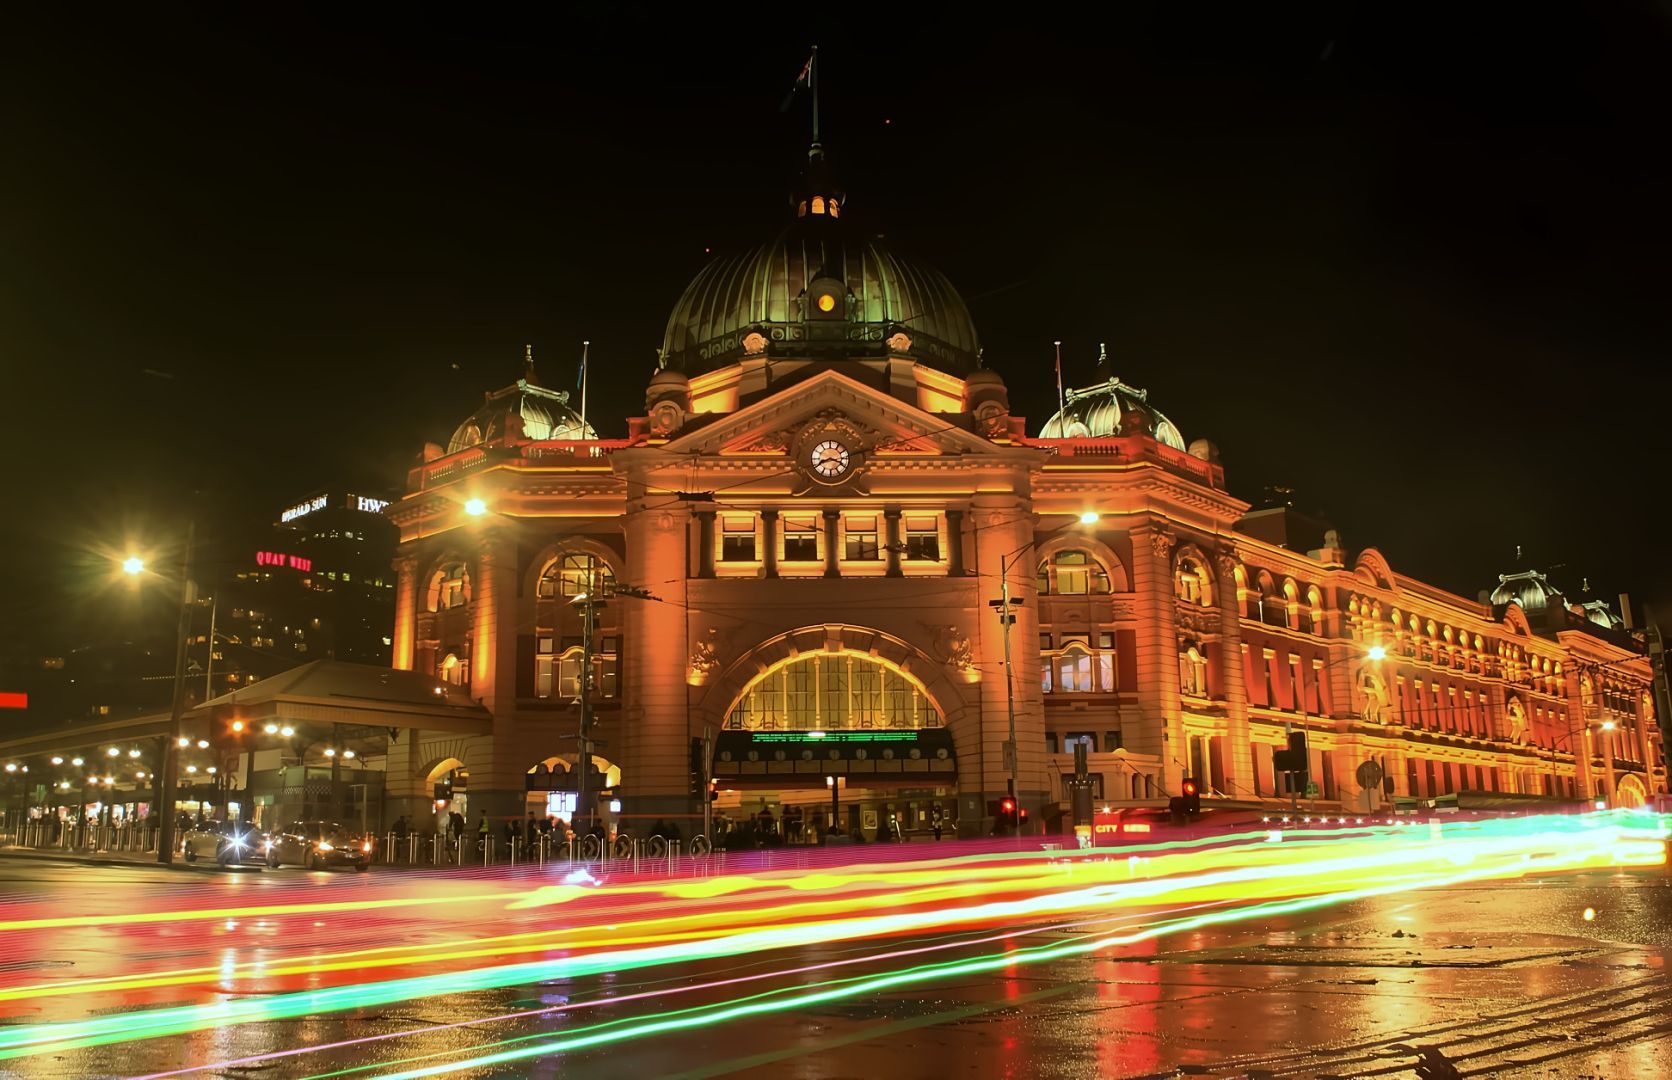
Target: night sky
x,y
1412,267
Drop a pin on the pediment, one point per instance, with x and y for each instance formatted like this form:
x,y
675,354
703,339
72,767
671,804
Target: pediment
x,y
882,425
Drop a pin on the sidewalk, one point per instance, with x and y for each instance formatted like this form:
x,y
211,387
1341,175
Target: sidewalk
x,y
119,858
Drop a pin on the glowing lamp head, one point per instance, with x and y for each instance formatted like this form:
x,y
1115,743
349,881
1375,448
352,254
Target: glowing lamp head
x,y
76,762
271,729
183,741
1608,725
11,766
330,751
203,744
238,725
1090,517
133,566
56,760
1376,652
475,507
287,731
191,768
113,751
134,752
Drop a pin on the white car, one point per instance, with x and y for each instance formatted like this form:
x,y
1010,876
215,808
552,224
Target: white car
x,y
227,842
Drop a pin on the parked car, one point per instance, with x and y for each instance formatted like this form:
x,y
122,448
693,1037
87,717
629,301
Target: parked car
x,y
318,845
227,842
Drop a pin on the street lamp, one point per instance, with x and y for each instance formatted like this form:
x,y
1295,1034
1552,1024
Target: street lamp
x,y
475,507
133,566
1002,606
1376,652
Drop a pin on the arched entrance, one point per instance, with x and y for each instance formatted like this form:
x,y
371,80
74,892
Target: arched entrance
x,y
1629,793
449,789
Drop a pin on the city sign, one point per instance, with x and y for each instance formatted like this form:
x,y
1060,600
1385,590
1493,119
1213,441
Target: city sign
x,y
303,509
370,506
276,558
832,736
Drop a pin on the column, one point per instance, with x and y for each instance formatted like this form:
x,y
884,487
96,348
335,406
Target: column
x,y
406,609
955,543
1003,532
652,739
832,538
498,788
1239,779
769,537
705,544
891,544
1162,729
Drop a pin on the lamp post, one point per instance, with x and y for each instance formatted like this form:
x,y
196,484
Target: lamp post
x,y
133,566
588,605
1003,605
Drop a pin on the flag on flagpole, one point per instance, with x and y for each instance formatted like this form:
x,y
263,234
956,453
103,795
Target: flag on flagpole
x,y
803,79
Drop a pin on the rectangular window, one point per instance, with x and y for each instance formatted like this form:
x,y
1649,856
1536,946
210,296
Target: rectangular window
x,y
1074,673
1087,737
1111,741
923,539
1106,672
1050,742
1105,639
607,657
1297,688
737,539
545,667
861,540
801,538
1045,642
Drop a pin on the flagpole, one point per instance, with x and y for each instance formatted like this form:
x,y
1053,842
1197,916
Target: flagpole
x,y
1062,399
813,85
585,345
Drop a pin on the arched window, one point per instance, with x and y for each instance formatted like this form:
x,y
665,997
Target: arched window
x,y
1190,582
572,575
1314,610
449,587
1072,573
832,692
1291,604
1077,669
453,670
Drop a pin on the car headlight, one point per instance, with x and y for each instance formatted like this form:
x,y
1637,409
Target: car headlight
x,y
366,847
325,845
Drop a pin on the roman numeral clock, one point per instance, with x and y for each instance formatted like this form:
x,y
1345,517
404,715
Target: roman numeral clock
x,y
829,453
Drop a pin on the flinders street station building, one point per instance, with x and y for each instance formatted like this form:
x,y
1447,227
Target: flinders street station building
x,y
827,563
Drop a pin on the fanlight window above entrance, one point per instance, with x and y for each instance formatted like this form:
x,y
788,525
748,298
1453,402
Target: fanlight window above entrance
x,y
573,575
829,691
1072,573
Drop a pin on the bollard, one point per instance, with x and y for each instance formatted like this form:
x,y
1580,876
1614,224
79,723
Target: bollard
x,y
435,850
673,856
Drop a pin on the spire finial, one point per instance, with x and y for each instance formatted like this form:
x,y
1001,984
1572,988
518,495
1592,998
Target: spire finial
x,y
528,366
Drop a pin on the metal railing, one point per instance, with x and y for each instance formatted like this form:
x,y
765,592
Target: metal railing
x,y
629,854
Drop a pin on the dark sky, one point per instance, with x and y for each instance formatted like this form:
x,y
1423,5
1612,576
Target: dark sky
x,y
1412,266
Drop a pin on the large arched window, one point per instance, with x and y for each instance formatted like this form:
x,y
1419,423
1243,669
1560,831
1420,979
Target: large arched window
x,y
1072,573
828,691
449,587
1193,670
453,670
572,575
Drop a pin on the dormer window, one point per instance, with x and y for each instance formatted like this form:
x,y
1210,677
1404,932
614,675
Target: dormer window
x,y
818,204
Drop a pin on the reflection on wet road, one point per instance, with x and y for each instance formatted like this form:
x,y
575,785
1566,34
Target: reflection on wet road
x,y
1346,951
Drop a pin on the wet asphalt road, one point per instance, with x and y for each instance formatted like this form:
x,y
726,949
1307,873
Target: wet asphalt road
x,y
1498,979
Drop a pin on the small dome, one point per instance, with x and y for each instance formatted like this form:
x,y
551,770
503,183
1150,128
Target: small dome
x,y
541,414
1096,412
1530,590
1598,611
822,289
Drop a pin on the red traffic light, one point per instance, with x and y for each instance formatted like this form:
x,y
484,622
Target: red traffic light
x,y
1190,787
1007,805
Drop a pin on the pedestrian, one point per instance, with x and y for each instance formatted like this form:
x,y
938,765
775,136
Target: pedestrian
x,y
482,832
531,828
936,819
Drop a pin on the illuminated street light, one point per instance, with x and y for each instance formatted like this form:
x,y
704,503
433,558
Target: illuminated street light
x,y
348,753
330,751
57,760
238,725
271,729
475,507
287,731
140,775
203,744
76,762
133,565
211,770
1376,652
183,741
1090,517
113,752
1608,725
134,752
11,766
191,768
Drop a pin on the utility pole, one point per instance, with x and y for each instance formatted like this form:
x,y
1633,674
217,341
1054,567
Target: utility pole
x,y
209,661
1003,605
589,605
171,749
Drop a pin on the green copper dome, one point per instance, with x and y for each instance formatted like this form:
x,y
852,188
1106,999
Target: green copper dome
x,y
821,290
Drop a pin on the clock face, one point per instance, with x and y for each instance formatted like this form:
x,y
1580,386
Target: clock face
x,y
830,459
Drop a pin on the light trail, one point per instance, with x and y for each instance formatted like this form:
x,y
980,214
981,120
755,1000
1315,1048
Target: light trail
x,y
775,1001
1402,861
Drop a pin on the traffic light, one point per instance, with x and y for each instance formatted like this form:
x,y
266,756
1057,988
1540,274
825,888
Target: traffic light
x,y
1192,796
697,780
1294,761
713,790
1005,812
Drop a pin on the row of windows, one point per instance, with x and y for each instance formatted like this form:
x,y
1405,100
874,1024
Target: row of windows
x,y
1110,742
832,692
803,538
